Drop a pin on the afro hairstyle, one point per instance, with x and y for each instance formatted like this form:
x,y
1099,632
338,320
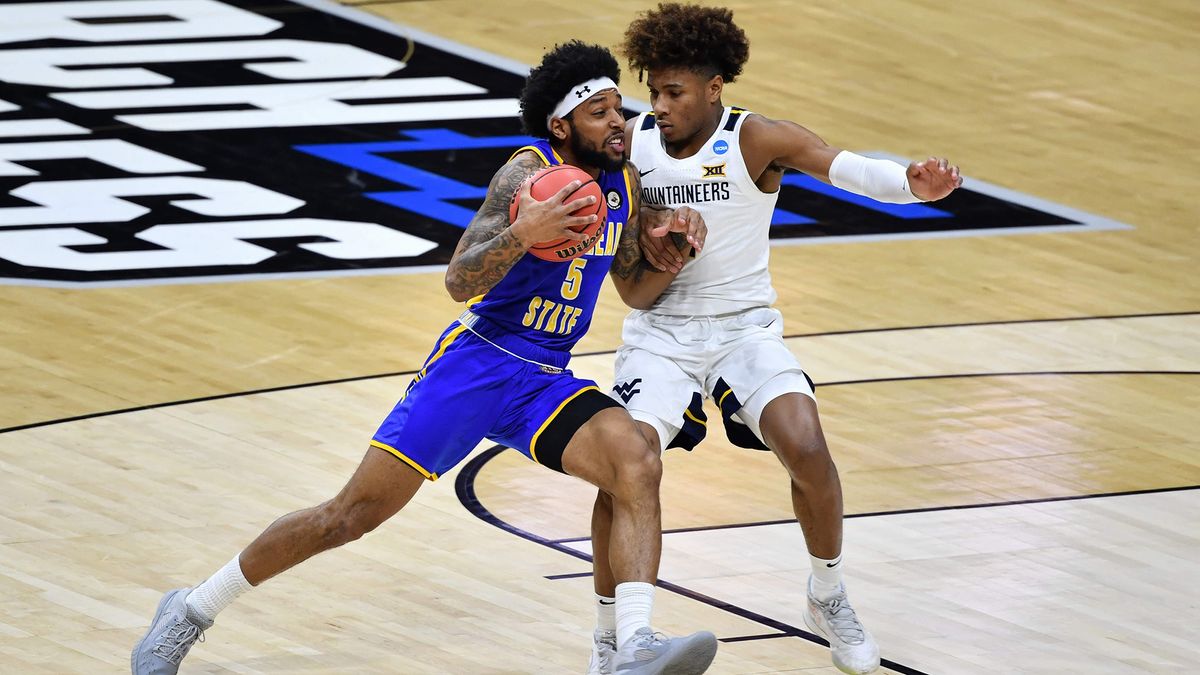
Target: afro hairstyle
x,y
701,39
562,68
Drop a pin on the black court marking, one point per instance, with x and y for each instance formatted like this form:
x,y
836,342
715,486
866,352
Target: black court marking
x,y
573,575
201,399
748,638
1000,322
968,324
464,486
926,509
369,3
320,383
1012,502
464,483
1026,373
138,18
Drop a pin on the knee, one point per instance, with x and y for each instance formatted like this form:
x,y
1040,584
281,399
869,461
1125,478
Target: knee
x,y
806,457
638,471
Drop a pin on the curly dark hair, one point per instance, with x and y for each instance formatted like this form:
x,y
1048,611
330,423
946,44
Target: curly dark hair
x,y
702,39
562,68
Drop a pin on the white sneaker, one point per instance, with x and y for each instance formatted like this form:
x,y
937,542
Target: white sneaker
x,y
854,650
604,646
650,653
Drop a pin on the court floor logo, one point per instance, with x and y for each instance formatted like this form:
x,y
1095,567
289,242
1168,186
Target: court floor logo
x,y
161,141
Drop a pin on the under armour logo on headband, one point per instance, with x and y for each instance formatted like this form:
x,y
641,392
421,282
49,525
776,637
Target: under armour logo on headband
x,y
580,91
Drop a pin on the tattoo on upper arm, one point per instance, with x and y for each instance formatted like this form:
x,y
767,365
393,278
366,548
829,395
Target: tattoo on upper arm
x,y
488,249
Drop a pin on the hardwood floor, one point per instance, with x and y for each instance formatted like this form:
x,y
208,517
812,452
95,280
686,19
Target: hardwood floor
x,y
1031,378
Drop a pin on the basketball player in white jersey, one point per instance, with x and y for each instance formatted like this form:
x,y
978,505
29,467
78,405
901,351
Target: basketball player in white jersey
x,y
713,332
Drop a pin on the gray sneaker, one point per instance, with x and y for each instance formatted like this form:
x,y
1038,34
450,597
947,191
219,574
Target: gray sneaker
x,y
604,645
171,635
650,653
854,650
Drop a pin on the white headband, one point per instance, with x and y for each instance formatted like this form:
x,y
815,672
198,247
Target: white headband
x,y
578,94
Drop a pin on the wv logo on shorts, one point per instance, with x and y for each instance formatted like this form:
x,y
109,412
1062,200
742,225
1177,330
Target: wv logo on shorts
x,y
626,390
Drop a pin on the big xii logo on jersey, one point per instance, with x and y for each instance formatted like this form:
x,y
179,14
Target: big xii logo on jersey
x,y
146,141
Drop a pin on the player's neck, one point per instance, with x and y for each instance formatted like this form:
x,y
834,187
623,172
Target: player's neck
x,y
691,145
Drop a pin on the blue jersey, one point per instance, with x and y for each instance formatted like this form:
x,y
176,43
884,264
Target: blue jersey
x,y
550,304
499,372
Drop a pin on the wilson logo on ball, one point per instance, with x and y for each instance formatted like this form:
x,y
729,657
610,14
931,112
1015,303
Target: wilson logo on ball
x,y
577,248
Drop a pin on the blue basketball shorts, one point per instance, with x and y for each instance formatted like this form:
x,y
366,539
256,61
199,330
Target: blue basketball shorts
x,y
473,387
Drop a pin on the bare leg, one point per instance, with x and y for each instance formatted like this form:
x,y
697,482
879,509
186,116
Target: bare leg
x,y
792,429
609,453
380,487
602,574
377,490
602,516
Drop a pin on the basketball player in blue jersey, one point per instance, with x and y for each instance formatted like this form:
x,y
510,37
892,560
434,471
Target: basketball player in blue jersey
x,y
728,163
499,372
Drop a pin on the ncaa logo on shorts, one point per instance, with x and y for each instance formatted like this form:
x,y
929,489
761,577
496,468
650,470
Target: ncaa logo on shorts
x,y
614,199
721,147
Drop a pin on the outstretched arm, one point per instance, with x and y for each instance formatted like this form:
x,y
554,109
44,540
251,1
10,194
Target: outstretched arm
x,y
778,144
491,246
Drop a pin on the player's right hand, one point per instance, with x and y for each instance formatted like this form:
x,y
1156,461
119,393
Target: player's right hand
x,y
549,220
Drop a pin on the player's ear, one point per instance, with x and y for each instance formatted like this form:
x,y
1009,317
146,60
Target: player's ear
x,y
715,86
558,129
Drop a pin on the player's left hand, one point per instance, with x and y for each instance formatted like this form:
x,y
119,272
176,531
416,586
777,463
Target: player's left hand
x,y
933,179
661,251
685,220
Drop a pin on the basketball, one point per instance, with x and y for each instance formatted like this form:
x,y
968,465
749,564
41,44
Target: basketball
x,y
543,185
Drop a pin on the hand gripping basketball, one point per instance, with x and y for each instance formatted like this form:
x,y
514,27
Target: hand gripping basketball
x,y
577,235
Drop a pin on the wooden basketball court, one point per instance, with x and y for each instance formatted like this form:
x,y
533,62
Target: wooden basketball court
x,y
1013,417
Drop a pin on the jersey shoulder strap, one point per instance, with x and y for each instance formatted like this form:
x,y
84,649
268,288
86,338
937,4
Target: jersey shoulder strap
x,y
736,114
542,149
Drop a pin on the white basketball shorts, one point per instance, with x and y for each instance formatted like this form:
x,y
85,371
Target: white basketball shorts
x,y
668,365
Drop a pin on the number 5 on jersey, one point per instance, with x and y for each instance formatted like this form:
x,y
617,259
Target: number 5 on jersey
x,y
570,287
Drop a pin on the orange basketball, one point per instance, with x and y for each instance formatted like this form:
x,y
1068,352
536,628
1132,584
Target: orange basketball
x,y
545,184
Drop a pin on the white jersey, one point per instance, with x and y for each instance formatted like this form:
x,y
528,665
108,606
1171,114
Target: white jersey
x,y
730,274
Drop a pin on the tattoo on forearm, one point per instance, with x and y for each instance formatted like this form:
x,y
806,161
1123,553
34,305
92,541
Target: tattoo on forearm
x,y
489,249
629,261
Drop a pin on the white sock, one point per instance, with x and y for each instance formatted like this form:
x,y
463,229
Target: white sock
x,y
635,601
826,577
606,613
221,589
